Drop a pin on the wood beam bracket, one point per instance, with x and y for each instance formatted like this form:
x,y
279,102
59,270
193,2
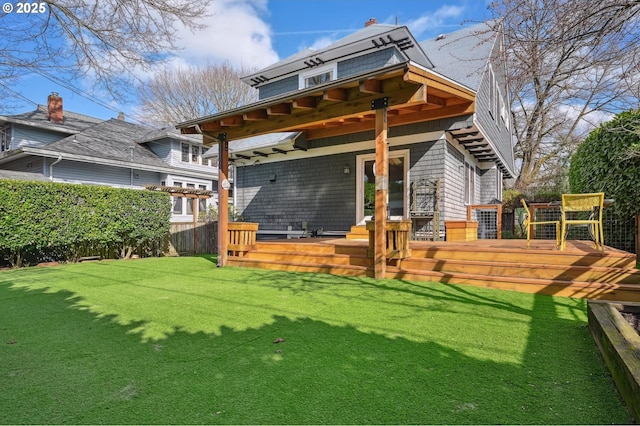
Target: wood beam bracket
x,y
380,103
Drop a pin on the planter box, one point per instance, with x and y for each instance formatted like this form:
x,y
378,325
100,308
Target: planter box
x,y
461,230
619,345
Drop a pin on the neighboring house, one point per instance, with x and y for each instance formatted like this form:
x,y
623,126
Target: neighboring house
x,y
60,146
320,175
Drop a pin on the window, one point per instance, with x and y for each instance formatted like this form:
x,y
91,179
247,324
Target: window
x,y
191,153
202,202
317,76
5,138
185,152
177,201
498,184
195,154
190,200
469,183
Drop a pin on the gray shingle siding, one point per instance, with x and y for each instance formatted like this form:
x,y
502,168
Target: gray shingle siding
x,y
368,62
279,87
488,186
488,116
312,190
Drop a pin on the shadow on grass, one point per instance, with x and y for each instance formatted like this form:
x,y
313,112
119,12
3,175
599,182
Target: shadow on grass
x,y
62,363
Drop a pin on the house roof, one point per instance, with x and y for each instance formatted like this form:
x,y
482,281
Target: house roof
x,y
73,122
413,94
368,39
113,140
462,55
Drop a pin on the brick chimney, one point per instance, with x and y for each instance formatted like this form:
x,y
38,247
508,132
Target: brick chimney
x,y
371,21
121,116
54,108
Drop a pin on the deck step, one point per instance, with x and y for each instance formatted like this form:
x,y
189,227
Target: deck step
x,y
541,269
358,232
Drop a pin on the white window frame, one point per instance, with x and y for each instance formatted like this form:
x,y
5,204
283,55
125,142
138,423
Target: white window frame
x,y
303,76
469,183
360,160
190,152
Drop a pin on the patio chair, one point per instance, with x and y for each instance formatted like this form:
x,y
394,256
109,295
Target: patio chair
x,y
529,223
583,209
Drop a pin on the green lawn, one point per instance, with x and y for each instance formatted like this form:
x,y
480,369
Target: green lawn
x,y
177,340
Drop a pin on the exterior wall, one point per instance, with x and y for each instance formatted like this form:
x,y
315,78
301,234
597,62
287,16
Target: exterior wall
x,y
285,85
170,151
162,149
96,174
368,62
288,193
488,115
28,136
488,186
346,68
453,203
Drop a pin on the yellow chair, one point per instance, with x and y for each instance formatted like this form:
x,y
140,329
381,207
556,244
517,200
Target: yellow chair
x,y
529,224
586,209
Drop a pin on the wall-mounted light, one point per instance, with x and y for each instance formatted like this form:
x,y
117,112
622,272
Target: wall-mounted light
x,y
346,170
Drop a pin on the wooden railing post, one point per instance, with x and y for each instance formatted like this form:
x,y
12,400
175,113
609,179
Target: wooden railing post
x,y
241,237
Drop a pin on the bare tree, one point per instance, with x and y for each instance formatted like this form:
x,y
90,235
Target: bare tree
x,y
107,40
570,63
185,93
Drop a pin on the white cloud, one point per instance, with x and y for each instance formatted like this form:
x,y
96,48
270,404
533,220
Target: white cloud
x,y
235,33
433,20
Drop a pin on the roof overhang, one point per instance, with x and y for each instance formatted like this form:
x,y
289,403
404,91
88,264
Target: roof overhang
x,y
27,151
413,94
474,141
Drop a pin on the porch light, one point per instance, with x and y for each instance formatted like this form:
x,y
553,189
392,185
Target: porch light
x,y
346,170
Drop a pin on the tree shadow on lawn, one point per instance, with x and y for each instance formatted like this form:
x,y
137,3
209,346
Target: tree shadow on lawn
x,y
63,364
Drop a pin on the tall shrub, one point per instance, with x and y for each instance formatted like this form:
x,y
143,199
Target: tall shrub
x,y
609,161
68,221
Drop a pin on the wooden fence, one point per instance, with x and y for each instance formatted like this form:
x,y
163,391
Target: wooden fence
x,y
182,237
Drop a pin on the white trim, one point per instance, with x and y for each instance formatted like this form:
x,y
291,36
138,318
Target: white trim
x,y
360,160
366,145
330,68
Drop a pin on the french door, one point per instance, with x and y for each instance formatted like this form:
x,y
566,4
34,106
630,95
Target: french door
x,y
398,186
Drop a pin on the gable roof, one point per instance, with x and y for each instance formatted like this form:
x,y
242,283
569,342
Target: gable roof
x,y
112,140
368,39
73,122
463,54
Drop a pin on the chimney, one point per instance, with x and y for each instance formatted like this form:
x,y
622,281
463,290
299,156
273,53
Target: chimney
x,y
121,116
54,108
371,21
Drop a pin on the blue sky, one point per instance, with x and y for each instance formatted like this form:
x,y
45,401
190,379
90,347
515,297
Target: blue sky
x,y
257,33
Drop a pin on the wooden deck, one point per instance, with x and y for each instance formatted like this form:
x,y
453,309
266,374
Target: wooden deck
x,y
579,271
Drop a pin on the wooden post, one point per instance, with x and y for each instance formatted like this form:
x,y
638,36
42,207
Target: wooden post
x,y
223,197
382,192
194,206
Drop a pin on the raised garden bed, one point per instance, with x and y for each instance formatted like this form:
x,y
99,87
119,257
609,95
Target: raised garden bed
x,y
614,326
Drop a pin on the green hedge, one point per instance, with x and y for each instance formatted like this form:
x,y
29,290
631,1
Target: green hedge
x,y
46,220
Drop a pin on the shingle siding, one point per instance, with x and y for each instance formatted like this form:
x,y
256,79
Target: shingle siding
x,y
288,193
368,62
279,87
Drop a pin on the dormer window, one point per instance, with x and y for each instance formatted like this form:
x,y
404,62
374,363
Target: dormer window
x,y
317,76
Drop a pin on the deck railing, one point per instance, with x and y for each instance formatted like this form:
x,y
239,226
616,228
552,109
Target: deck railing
x,y
398,236
242,237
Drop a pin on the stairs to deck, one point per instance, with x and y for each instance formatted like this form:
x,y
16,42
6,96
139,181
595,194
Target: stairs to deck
x,y
578,271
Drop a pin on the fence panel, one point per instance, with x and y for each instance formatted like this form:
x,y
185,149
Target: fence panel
x,y
183,235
